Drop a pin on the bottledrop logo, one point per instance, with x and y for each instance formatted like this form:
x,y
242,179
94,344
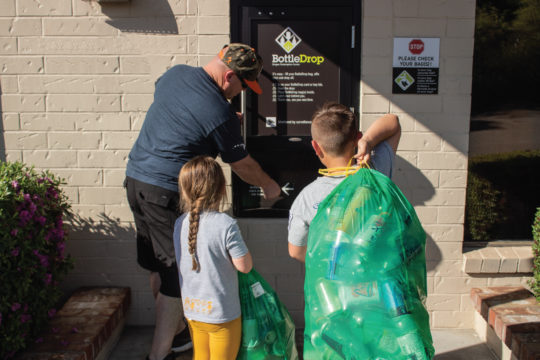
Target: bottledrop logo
x,y
288,40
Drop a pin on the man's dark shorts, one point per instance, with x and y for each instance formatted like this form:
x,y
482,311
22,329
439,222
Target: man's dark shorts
x,y
155,211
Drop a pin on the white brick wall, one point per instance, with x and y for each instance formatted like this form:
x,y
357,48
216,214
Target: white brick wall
x,y
75,89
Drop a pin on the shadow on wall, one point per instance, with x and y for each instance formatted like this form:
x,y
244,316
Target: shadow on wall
x,y
103,227
141,16
418,189
2,141
104,252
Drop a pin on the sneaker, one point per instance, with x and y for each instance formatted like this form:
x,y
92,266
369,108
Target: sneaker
x,y
182,341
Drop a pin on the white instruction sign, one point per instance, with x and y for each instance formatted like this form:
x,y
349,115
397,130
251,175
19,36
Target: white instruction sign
x,y
415,66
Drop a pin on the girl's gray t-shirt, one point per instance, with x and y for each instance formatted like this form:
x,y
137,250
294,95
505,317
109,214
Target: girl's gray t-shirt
x,y
306,204
211,294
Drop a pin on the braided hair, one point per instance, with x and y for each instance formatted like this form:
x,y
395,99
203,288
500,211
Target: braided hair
x,y
202,185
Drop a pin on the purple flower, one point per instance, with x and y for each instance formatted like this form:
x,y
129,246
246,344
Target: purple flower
x,y
32,207
48,279
27,197
15,185
51,192
15,306
64,342
55,330
25,217
51,312
25,318
14,232
39,340
61,246
15,252
41,220
57,234
74,330
44,260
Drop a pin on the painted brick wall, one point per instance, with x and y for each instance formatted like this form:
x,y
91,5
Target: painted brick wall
x,y
76,78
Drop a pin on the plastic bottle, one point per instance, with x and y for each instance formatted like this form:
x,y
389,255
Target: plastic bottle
x,y
339,250
345,340
406,330
356,296
372,231
257,353
327,296
250,338
392,297
337,210
408,337
353,215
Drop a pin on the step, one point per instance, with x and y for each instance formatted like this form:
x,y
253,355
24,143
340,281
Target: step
x,y
87,327
508,319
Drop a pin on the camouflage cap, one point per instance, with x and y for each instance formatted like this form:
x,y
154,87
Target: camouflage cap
x,y
244,61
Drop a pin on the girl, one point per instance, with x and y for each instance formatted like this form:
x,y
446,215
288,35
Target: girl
x,y
209,249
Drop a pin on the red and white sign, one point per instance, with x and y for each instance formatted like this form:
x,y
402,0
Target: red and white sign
x,y
416,53
416,46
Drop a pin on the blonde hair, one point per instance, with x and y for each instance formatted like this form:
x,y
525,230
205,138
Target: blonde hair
x,y
334,127
202,185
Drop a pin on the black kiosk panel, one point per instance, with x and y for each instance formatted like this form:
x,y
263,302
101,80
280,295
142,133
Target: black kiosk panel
x,y
307,61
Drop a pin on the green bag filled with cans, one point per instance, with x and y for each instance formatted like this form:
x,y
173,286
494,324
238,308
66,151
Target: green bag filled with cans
x,y
267,327
365,285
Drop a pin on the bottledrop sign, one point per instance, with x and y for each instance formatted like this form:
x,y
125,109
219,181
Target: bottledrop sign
x,y
415,66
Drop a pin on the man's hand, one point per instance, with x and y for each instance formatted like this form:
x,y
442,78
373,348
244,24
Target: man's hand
x,y
251,172
271,191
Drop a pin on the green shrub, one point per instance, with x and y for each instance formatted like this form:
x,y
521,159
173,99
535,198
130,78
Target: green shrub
x,y
32,259
535,281
502,196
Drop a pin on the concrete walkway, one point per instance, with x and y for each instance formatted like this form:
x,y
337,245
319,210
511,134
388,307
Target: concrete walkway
x,y
450,344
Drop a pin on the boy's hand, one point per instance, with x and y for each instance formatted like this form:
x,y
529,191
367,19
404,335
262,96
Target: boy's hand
x,y
363,155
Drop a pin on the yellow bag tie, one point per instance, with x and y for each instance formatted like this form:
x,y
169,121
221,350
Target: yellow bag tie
x,y
344,170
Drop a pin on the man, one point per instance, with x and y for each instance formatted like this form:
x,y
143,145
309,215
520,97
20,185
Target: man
x,y
191,115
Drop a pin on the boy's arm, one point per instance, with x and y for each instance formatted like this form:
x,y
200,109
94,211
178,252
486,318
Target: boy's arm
x,y
298,252
387,128
298,233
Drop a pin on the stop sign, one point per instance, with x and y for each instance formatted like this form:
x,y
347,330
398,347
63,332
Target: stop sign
x,y
416,46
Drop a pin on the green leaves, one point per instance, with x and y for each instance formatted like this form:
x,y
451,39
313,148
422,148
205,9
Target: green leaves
x,y
32,259
535,281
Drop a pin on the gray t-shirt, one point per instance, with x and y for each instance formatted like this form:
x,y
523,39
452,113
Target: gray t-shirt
x,y
306,204
210,295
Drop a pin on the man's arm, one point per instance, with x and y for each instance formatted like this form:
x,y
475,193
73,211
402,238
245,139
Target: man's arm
x,y
251,172
298,252
387,128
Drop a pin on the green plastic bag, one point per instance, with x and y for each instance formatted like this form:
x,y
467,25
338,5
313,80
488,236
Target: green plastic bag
x,y
365,285
267,327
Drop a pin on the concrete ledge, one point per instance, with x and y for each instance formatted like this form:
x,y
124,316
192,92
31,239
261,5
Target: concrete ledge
x,y
498,260
86,328
508,319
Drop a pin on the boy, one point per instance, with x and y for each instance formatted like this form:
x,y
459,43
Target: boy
x,y
335,137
